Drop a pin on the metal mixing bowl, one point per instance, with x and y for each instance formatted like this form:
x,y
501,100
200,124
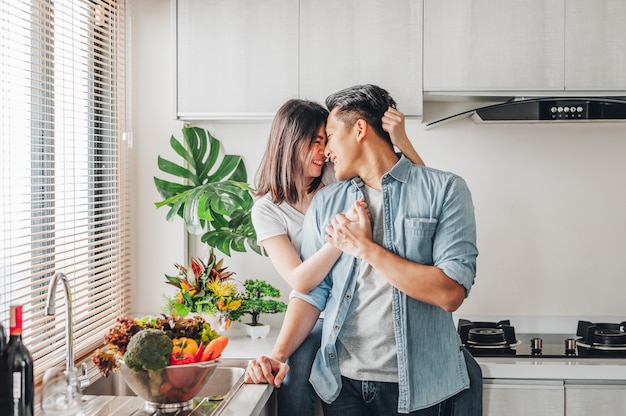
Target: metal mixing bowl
x,y
174,386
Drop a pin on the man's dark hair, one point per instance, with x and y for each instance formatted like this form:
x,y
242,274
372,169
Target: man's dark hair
x,y
368,102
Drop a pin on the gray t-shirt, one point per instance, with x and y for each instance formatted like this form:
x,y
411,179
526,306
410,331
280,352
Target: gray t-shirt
x,y
366,344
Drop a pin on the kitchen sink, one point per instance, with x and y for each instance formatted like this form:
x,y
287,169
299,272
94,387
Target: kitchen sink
x,y
112,396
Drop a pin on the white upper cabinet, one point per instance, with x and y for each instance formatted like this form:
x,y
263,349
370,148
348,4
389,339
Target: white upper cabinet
x,y
242,59
235,58
493,45
595,40
534,47
345,43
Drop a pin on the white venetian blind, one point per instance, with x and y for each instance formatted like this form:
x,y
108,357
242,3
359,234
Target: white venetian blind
x,y
64,200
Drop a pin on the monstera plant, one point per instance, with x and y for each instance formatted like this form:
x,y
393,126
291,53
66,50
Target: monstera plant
x,y
214,198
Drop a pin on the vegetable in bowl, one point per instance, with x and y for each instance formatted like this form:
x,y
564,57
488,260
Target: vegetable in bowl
x,y
148,350
192,330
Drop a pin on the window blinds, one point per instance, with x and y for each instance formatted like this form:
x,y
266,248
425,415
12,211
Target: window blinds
x,y
64,201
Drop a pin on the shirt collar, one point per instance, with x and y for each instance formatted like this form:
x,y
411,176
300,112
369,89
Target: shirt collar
x,y
399,171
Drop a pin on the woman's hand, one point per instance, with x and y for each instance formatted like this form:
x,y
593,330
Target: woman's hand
x,y
266,370
393,123
352,214
351,236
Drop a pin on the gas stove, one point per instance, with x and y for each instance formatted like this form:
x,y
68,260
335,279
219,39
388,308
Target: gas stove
x,y
498,339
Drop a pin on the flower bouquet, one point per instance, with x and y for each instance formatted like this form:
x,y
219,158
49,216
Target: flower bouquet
x,y
207,290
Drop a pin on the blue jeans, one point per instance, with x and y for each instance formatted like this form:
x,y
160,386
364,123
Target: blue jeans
x,y
359,398
470,402
296,396
373,398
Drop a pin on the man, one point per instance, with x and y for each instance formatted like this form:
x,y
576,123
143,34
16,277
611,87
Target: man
x,y
389,345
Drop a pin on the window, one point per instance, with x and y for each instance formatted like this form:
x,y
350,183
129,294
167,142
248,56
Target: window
x,y
64,200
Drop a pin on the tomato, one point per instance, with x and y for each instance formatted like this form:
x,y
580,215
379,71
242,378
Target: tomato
x,y
165,388
214,349
174,395
179,376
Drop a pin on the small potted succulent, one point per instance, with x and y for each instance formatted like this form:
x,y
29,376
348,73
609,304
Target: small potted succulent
x,y
260,297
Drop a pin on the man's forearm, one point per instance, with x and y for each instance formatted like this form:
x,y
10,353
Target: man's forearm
x,y
299,320
426,283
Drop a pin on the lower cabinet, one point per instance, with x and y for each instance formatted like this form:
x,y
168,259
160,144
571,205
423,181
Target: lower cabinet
x,y
516,397
602,398
512,397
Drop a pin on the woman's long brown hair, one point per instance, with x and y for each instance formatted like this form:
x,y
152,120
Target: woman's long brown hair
x,y
293,130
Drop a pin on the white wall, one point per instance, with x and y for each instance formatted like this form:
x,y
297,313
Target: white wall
x,y
550,202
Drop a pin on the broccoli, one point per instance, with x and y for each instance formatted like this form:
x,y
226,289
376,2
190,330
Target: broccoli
x,y
149,349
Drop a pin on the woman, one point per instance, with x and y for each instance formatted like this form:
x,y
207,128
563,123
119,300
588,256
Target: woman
x,y
292,170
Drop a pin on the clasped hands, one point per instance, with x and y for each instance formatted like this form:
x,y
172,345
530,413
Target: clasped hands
x,y
347,231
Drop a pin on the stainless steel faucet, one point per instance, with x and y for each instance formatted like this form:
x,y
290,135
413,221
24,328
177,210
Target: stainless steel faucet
x,y
83,379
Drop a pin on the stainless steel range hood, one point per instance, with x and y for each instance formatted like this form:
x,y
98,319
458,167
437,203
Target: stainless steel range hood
x,y
546,110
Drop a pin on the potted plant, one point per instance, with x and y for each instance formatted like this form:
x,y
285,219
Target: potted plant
x,y
259,297
215,199
209,291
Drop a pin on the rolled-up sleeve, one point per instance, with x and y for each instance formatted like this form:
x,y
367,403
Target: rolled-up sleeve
x,y
454,246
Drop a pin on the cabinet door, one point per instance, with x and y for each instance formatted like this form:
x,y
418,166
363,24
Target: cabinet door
x,y
487,45
345,43
595,399
523,397
235,58
595,45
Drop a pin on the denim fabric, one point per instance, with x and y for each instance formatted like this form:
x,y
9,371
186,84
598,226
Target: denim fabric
x,y
428,219
470,402
373,398
296,395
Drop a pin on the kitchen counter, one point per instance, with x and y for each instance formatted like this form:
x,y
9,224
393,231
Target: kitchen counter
x,y
553,368
250,400
242,346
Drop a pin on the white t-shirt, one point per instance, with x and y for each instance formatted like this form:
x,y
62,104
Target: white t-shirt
x,y
270,219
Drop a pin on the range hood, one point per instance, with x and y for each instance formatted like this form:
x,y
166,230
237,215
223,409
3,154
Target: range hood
x,y
546,110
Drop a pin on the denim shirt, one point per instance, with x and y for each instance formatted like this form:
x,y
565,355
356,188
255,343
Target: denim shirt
x,y
428,219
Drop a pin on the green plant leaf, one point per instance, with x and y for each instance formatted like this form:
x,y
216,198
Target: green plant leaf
x,y
174,169
214,183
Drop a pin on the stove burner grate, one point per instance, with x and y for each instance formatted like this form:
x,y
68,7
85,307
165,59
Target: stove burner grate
x,y
601,338
488,338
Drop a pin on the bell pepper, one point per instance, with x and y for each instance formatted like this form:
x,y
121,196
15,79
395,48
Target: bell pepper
x,y
198,354
181,358
183,344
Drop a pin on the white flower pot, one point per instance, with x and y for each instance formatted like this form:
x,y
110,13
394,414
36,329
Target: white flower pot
x,y
258,331
219,323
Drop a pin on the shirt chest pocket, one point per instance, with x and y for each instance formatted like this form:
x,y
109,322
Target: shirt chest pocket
x,y
418,239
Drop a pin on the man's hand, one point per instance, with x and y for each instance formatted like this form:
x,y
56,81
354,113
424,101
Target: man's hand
x,y
350,236
266,370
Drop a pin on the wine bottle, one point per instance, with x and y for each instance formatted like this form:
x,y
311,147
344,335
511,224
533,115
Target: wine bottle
x,y
6,379
20,364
